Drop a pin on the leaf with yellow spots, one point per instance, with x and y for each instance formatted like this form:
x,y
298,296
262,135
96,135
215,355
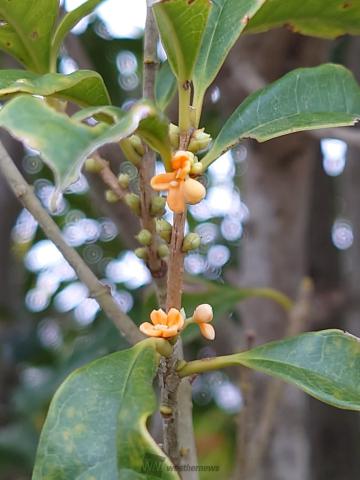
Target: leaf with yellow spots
x,y
324,364
96,424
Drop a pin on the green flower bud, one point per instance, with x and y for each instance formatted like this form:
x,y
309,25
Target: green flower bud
x,y
174,134
141,253
157,207
144,237
137,145
191,242
111,197
164,230
124,180
199,140
165,410
93,165
133,201
197,168
163,251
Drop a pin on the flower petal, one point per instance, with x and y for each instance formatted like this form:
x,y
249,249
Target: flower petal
x,y
162,181
175,319
175,198
169,332
158,316
194,191
207,330
203,313
182,159
150,330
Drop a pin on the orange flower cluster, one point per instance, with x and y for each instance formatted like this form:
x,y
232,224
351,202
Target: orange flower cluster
x,y
182,189
163,325
169,325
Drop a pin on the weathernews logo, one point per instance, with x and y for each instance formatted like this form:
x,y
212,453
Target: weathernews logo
x,y
155,465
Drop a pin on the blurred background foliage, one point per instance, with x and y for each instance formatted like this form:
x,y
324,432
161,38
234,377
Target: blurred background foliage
x,y
48,324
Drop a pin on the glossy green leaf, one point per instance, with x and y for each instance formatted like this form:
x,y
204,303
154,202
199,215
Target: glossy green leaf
x,y
153,129
227,20
324,364
83,87
96,424
68,22
182,24
26,31
304,99
327,19
165,86
64,142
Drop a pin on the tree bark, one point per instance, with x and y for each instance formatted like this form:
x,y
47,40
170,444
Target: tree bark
x,y
276,185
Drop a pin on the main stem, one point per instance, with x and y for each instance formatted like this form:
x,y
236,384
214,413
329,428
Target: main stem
x,y
179,441
156,266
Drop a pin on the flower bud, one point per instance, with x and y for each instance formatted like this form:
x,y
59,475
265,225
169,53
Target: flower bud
x,y
191,242
203,313
93,165
137,145
174,134
133,201
199,141
165,410
164,230
111,197
157,207
163,251
144,237
141,253
197,169
124,180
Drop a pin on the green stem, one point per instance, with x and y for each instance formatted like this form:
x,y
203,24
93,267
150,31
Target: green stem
x,y
184,107
198,105
209,364
272,294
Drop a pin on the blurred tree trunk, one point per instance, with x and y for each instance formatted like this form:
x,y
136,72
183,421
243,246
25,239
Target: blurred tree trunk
x,y
337,280
278,187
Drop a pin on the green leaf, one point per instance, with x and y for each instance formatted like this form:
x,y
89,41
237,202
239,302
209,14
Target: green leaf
x,y
165,86
324,364
304,99
68,22
27,30
227,20
311,17
83,87
96,424
181,24
64,142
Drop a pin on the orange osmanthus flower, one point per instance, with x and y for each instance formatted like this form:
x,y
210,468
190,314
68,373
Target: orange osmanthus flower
x,y
203,315
182,189
163,324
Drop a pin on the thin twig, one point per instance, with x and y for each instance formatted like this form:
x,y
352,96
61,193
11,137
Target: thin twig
x,y
109,178
157,266
100,292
